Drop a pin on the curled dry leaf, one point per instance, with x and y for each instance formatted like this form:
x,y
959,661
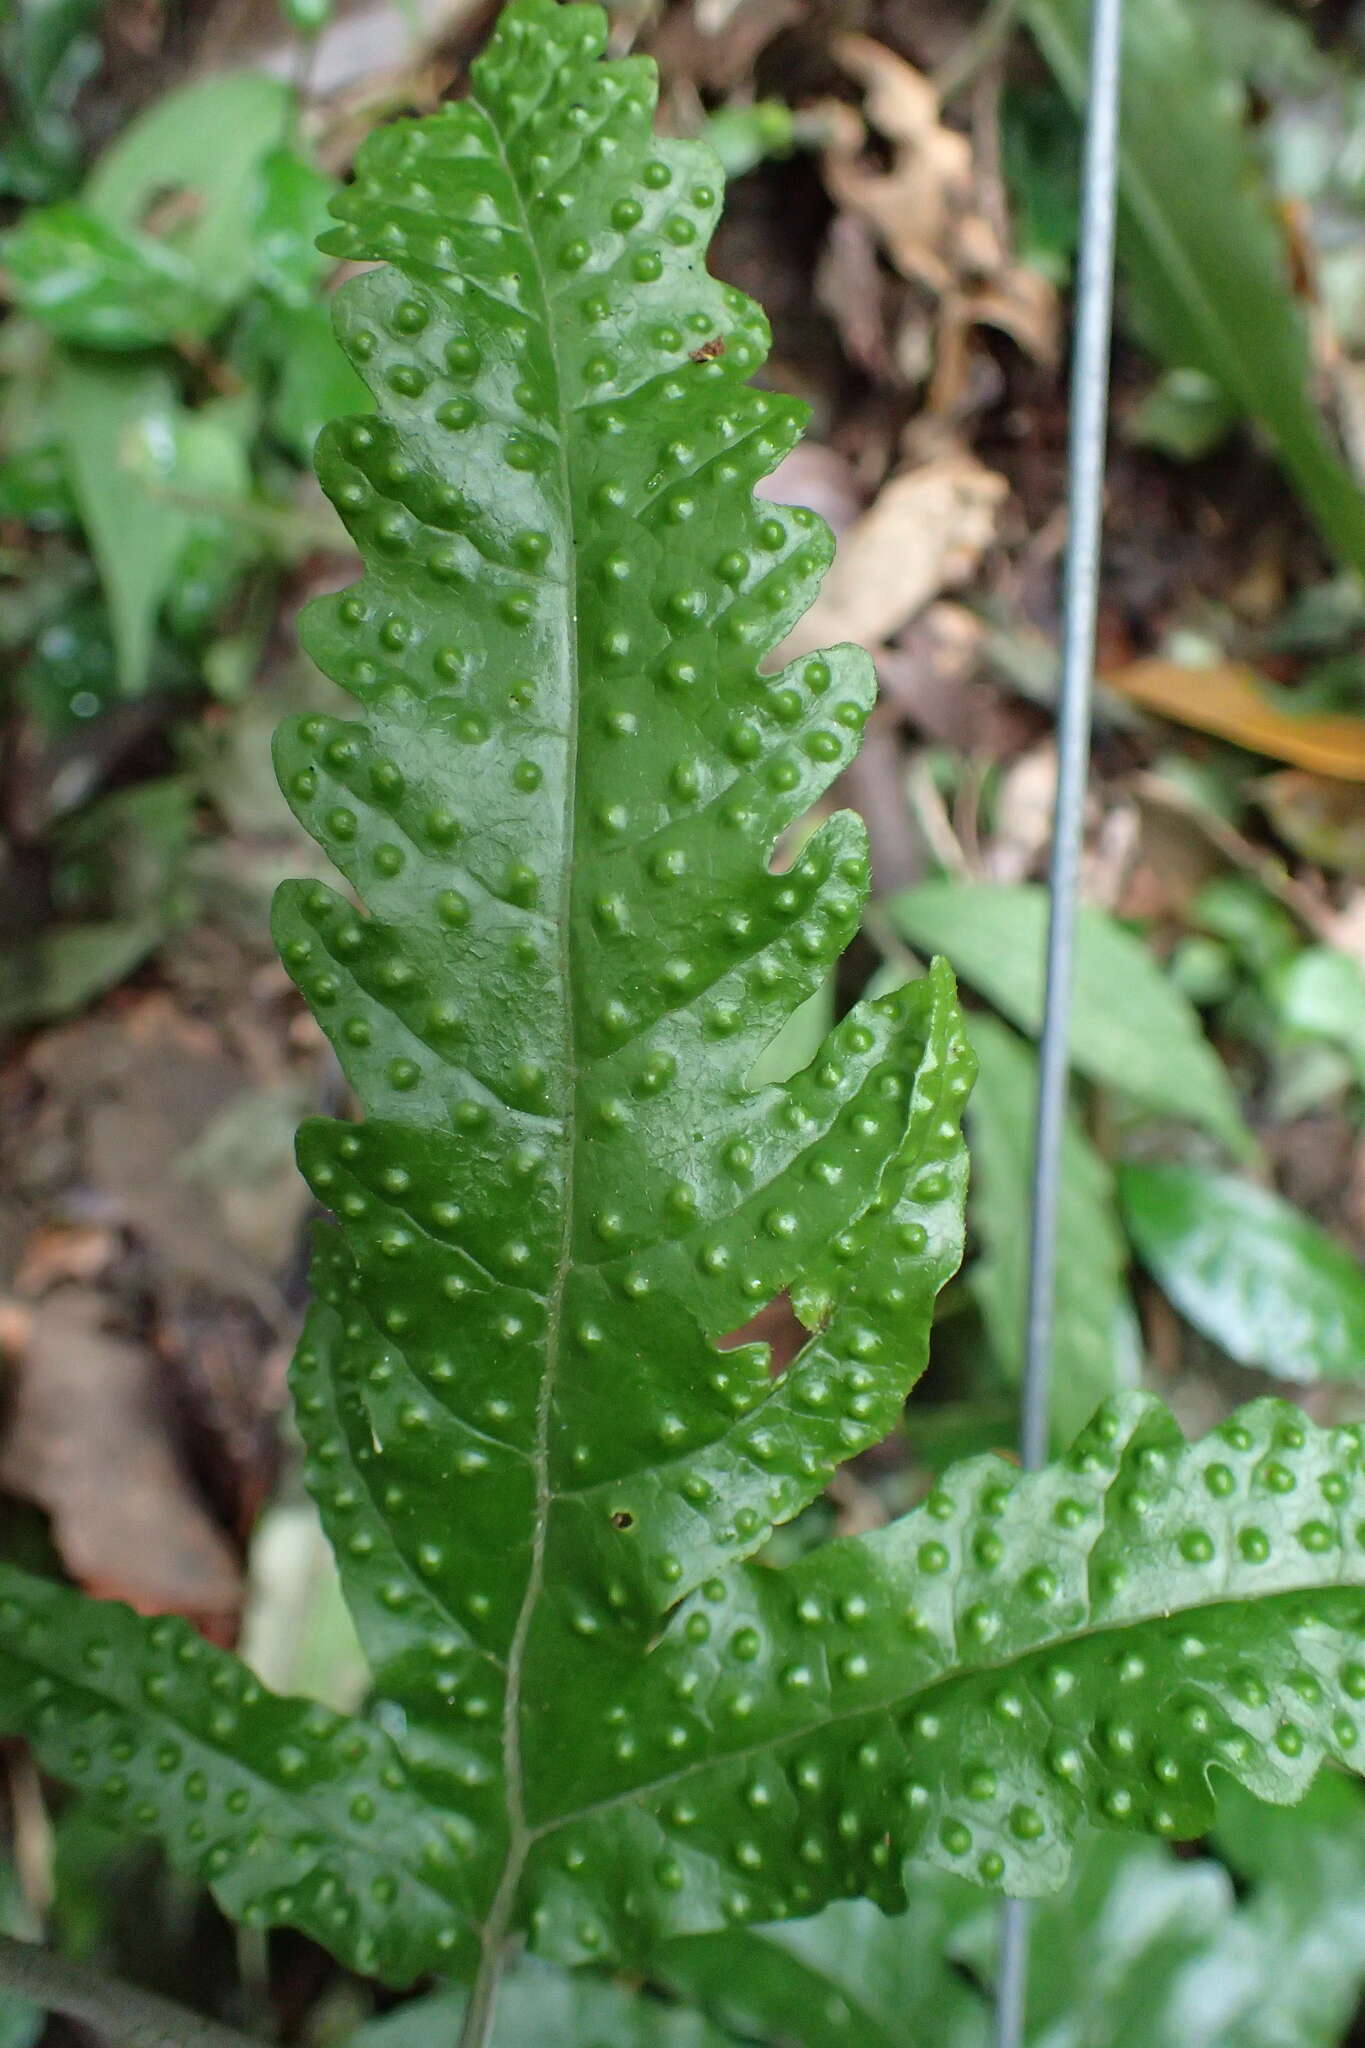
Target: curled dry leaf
x,y
931,216
88,1441
926,532
1320,816
1233,701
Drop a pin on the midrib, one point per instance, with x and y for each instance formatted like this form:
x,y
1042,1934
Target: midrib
x,y
898,1702
519,1837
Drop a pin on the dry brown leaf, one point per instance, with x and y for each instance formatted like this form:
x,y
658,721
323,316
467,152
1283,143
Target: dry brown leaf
x,y
88,1442
1320,818
820,478
926,532
1232,701
63,1251
931,216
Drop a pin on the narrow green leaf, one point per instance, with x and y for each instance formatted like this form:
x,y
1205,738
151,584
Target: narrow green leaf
x,y
291,212
45,57
1251,1272
63,969
1201,247
119,422
1130,1028
1321,992
1095,1347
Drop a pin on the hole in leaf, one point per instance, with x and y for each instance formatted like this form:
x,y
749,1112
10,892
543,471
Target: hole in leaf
x,y
623,1519
776,1325
170,208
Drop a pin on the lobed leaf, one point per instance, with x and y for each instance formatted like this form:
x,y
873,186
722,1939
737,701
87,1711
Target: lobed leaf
x,y
290,1812
567,938
1021,1654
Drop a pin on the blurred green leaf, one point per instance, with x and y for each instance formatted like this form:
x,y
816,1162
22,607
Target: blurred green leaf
x,y
211,469
1041,159
743,137
100,287
168,234
1143,1950
1259,931
291,212
1095,1345
1249,1271
34,488
315,381
1304,1924
297,1632
540,2006
124,856
45,58
202,203
62,970
848,1976
1130,1028
20,2022
1185,414
70,675
313,377
1321,992
119,423
1202,251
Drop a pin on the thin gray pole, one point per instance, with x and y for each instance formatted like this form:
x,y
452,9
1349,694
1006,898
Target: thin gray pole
x,y
1086,451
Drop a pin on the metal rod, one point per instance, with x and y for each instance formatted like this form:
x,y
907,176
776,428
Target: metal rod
x,y
1086,454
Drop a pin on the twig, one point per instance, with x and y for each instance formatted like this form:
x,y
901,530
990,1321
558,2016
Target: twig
x,y
978,49
127,2016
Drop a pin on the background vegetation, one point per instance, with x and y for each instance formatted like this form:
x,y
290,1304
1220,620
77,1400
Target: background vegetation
x,y
902,203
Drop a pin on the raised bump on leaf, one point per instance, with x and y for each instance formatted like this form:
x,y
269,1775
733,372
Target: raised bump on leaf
x,y
568,934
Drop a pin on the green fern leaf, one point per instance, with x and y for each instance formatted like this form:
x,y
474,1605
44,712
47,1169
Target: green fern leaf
x,y
600,1716
295,1815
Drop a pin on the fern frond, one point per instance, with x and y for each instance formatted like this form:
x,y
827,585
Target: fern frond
x,y
601,1716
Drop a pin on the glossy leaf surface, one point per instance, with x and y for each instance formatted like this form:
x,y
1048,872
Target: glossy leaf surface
x,y
1130,1028
1095,1345
119,423
602,1716
98,287
166,235
1250,1271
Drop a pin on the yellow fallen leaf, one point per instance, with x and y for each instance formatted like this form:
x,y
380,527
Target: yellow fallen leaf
x,y
1236,703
